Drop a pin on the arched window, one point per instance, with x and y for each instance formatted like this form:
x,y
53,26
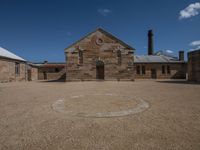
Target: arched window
x,y
119,57
80,57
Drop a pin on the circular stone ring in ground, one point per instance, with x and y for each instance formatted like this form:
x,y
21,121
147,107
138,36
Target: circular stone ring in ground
x,y
100,105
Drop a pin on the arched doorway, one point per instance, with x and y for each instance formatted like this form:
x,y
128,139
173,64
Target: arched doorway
x,y
100,70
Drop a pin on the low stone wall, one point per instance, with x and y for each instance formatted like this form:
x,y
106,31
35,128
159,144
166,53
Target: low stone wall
x,y
50,74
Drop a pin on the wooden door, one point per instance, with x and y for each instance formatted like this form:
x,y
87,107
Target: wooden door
x,y
100,72
45,75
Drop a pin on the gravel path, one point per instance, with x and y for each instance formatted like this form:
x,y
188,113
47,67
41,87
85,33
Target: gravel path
x,y
29,121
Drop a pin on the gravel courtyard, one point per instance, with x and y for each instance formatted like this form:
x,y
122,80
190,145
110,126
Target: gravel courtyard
x,y
144,114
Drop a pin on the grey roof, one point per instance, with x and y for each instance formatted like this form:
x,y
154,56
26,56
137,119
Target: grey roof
x,y
7,54
155,59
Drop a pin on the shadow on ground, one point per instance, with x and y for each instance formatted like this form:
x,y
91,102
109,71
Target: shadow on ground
x,y
179,82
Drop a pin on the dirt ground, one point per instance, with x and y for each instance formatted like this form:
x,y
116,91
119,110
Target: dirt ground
x,y
29,119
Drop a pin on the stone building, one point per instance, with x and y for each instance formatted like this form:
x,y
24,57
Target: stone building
x,y
194,65
99,56
159,65
51,71
12,67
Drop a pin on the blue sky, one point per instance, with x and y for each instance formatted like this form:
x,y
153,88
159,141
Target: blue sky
x,y
39,30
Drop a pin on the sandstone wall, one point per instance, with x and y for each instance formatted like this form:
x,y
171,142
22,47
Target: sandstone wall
x,y
194,65
32,73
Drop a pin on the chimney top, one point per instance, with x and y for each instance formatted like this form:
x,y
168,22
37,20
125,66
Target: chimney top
x,y
150,42
181,55
150,32
45,62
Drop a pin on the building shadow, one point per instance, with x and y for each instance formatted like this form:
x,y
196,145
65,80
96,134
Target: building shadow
x,y
61,79
179,82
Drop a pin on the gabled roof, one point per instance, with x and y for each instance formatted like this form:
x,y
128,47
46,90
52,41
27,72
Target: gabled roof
x,y
106,33
155,59
7,54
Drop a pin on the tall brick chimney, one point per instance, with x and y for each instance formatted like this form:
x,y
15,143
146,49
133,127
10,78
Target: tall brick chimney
x,y
181,55
150,42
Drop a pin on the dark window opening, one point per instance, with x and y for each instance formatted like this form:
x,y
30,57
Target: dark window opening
x,y
143,70
80,57
57,69
163,69
119,57
17,68
138,69
168,70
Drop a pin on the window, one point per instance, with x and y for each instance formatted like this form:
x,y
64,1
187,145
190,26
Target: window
x,y
119,57
80,57
138,69
57,69
17,68
168,70
143,70
163,69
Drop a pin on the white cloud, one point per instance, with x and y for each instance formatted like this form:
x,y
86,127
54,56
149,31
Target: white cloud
x,y
190,11
195,43
104,12
169,51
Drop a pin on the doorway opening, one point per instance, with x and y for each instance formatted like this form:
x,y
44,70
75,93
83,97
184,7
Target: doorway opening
x,y
100,70
153,74
29,75
45,75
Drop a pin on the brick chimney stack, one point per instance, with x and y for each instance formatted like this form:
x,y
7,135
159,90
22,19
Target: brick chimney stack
x,y
181,55
150,42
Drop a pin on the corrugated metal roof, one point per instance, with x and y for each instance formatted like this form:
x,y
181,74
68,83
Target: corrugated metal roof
x,y
154,59
8,54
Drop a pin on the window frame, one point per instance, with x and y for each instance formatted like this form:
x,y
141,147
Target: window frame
x,y
143,69
17,68
163,69
80,57
119,57
168,69
138,70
